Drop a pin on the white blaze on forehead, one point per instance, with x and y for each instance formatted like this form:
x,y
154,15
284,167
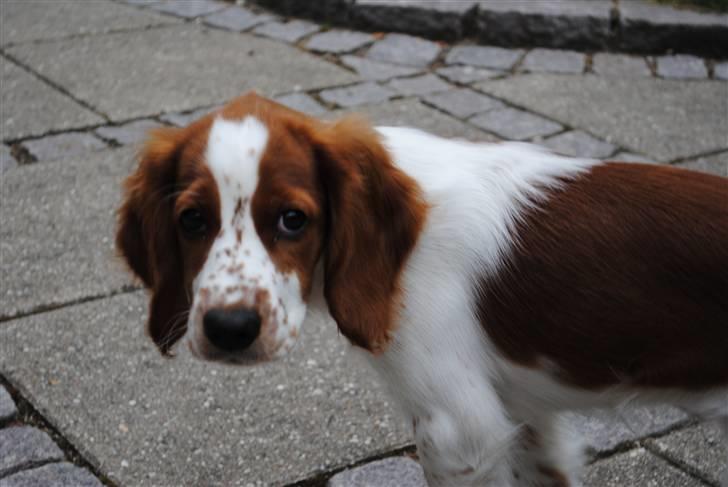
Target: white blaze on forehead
x,y
238,268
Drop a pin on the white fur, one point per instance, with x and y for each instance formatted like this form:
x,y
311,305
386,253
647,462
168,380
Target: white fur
x,y
235,271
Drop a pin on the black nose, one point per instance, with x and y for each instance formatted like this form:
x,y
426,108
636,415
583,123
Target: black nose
x,y
231,329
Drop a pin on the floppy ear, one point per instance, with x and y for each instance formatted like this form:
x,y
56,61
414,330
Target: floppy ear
x,y
147,239
375,214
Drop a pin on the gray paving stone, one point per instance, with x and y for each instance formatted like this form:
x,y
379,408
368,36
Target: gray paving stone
x,y
639,10
412,113
57,237
404,49
338,41
53,475
147,420
7,161
303,103
63,146
129,133
665,120
620,66
376,71
463,102
390,472
361,94
188,8
605,431
715,164
23,21
467,74
419,85
637,468
631,157
291,31
580,144
156,81
8,410
31,107
185,118
681,66
700,447
237,19
720,70
21,446
484,57
554,61
514,124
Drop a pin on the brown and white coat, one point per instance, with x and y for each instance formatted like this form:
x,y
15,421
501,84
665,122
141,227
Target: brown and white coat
x,y
492,286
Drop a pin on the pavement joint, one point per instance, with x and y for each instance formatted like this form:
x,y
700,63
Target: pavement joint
x,y
28,415
682,466
45,308
52,84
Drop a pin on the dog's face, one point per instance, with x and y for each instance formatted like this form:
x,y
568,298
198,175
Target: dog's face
x,y
227,220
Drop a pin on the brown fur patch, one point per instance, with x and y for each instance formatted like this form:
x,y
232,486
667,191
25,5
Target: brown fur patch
x,y
621,277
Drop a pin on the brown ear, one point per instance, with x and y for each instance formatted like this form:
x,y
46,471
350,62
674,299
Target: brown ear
x,y
375,214
147,239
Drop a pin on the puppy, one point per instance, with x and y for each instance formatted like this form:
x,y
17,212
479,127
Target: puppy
x,y
492,286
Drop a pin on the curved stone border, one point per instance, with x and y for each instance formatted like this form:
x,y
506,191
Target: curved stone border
x,y
633,26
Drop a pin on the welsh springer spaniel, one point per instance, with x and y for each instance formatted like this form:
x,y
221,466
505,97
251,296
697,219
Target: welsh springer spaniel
x,y
492,286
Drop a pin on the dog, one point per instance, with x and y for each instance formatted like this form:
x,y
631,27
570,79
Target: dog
x,y
491,285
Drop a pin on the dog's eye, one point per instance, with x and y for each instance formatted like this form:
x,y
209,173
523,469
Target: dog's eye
x,y
291,223
192,222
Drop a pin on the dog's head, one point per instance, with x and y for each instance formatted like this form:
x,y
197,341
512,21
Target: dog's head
x,y
227,220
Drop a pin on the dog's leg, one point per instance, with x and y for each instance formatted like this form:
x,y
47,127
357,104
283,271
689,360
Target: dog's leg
x,y
462,446
548,455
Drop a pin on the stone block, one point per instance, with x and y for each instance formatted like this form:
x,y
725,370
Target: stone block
x,y
53,475
129,133
419,85
361,94
23,21
701,448
484,57
554,61
405,50
716,164
63,146
58,231
514,124
7,161
188,8
303,103
237,19
463,102
291,31
389,472
467,74
681,66
580,144
22,446
31,107
376,71
620,66
338,41
8,410
636,468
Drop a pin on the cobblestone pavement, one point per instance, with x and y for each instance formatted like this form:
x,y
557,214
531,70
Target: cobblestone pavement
x,y
92,402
